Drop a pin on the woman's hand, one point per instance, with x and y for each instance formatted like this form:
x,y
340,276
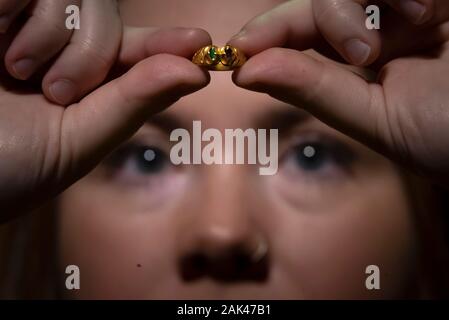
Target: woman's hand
x,y
71,62
404,114
45,147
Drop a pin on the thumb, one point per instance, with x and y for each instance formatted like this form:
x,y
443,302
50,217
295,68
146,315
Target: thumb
x,y
112,113
334,95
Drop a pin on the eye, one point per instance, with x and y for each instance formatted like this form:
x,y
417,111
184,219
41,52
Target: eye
x,y
148,160
134,163
311,156
318,157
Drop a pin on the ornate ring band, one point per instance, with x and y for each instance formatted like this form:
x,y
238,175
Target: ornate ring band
x,y
219,59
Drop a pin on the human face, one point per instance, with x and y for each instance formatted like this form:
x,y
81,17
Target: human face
x,y
149,229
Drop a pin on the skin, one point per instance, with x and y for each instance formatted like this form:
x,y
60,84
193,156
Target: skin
x,y
45,147
408,126
57,145
131,232
44,47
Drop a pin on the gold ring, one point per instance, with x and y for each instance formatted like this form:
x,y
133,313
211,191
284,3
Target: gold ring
x,y
219,59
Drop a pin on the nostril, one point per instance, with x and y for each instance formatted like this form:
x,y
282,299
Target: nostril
x,y
193,267
232,267
246,268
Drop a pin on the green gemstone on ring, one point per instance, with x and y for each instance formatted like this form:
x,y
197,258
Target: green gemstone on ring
x,y
212,53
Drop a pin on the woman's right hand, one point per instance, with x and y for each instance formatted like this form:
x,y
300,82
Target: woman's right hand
x,y
44,147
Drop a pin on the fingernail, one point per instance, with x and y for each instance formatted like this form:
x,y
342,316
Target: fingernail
x,y
62,91
414,10
4,24
23,68
239,35
357,51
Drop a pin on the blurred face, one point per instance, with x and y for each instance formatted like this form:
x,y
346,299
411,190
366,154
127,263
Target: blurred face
x,y
140,227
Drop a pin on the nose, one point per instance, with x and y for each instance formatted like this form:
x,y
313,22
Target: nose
x,y
220,237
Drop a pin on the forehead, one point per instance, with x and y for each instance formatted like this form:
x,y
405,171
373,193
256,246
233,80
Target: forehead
x,y
221,104
220,18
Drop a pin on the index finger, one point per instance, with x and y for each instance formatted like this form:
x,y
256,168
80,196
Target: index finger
x,y
290,24
329,27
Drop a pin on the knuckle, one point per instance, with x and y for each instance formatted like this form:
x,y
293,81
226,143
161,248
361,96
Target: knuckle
x,y
329,9
100,56
55,28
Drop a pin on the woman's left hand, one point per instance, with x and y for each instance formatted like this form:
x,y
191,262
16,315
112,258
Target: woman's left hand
x,y
404,114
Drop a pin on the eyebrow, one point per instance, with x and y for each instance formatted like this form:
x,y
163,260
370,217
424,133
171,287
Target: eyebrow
x,y
166,122
282,118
